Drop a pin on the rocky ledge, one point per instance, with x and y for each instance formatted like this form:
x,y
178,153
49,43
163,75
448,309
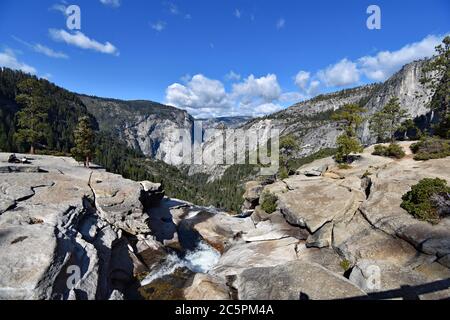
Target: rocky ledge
x,y
59,220
356,230
334,234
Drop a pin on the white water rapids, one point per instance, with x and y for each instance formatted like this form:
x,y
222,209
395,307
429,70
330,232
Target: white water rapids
x,y
200,260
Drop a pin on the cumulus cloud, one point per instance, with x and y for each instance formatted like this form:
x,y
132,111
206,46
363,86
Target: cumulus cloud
x,y
291,97
265,108
111,3
80,40
39,48
343,73
313,88
378,67
265,88
199,96
204,97
302,79
237,13
232,76
385,63
159,26
8,59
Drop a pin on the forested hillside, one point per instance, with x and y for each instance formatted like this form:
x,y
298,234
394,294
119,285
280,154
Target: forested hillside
x,y
109,151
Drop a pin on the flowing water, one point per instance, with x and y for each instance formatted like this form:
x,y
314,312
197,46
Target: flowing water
x,y
197,255
200,260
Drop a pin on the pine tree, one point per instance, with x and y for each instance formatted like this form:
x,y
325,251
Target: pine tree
x,y
386,122
84,140
32,118
437,77
288,147
350,118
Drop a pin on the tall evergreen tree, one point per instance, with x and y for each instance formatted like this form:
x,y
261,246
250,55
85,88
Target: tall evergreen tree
x,y
84,140
350,118
386,122
437,77
32,118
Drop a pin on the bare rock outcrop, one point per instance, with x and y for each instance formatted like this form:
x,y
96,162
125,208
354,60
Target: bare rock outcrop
x,y
63,236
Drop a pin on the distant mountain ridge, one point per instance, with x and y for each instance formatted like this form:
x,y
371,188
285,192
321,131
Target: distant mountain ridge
x,y
310,121
150,127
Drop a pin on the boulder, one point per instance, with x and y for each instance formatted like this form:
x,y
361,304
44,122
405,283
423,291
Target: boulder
x,y
259,215
207,287
393,282
314,203
293,281
119,202
219,230
316,168
321,238
312,170
275,227
357,240
256,254
151,194
252,193
326,257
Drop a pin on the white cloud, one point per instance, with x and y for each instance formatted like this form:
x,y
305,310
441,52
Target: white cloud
x,y
232,76
237,13
302,79
111,3
265,88
313,88
280,23
79,40
39,48
49,52
61,7
378,67
199,96
159,26
385,63
341,74
8,59
266,108
291,97
204,97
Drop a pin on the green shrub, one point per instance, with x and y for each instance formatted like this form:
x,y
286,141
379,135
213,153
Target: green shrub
x,y
344,166
283,173
269,202
420,201
379,150
431,148
345,264
394,150
347,145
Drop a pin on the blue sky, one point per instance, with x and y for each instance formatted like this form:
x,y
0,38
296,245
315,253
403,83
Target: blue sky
x,y
217,57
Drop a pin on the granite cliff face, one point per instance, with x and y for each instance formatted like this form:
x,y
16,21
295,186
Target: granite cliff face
x,y
147,126
311,124
310,121
150,127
